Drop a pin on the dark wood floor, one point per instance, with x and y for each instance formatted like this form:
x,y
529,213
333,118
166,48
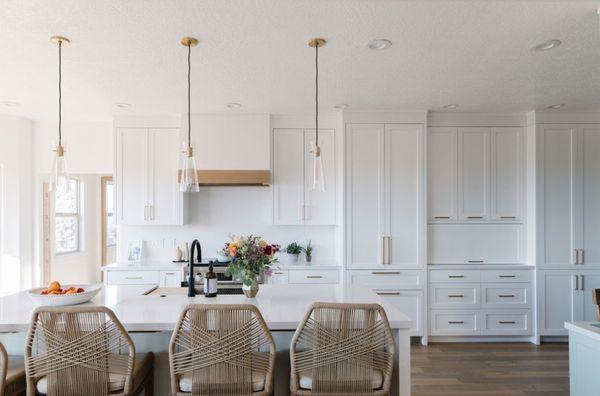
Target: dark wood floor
x,y
490,370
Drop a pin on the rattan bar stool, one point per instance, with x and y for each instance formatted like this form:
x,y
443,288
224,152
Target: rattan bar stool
x,y
12,374
342,349
74,351
221,350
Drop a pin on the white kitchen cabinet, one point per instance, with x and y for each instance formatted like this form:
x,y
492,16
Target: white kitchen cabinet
x,y
169,278
506,173
442,173
294,201
383,195
278,277
132,278
409,302
587,197
473,173
558,301
146,177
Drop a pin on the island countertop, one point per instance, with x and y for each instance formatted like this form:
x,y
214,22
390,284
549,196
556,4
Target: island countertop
x,y
282,306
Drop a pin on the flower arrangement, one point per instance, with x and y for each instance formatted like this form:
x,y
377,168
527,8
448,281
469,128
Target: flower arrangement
x,y
250,256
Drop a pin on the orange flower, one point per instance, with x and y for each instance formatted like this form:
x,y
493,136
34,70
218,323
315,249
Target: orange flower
x,y
232,251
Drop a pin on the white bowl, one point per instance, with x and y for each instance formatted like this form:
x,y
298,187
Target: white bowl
x,y
56,300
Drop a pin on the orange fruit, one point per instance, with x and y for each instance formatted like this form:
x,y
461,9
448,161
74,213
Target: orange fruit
x,y
54,285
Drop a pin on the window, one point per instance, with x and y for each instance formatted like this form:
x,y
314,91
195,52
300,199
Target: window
x,y
111,228
67,218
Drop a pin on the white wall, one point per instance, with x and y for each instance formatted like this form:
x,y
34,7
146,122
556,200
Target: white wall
x,y
16,264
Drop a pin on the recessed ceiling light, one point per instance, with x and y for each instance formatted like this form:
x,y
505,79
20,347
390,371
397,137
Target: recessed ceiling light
x,y
379,44
547,45
556,106
234,105
8,103
123,105
342,106
451,106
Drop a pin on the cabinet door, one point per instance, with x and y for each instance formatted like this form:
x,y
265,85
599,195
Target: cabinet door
x,y
278,277
364,189
507,173
556,175
319,206
410,303
131,175
288,176
587,282
403,188
473,173
170,279
557,302
163,188
441,168
587,197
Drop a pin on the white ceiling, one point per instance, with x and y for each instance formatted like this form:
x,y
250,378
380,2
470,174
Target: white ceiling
x,y
475,53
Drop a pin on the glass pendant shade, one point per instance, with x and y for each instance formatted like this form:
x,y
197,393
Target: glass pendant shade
x,y
60,174
318,176
188,181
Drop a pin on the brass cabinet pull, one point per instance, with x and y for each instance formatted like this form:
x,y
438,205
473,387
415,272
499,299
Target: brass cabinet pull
x,y
169,273
385,273
506,295
582,260
385,242
456,295
134,277
388,293
507,322
456,322
582,282
278,273
314,276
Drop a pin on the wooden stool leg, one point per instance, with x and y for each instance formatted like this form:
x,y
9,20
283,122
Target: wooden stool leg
x,y
149,388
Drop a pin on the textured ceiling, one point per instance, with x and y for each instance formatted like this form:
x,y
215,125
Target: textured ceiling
x,y
475,53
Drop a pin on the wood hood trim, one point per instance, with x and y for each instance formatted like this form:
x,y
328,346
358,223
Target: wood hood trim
x,y
206,178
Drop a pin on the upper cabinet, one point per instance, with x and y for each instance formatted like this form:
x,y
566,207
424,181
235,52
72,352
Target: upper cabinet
x,y
294,201
146,177
475,174
384,173
568,195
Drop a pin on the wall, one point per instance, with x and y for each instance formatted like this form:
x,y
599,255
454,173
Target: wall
x,y
16,261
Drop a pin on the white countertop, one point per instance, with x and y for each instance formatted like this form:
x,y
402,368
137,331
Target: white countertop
x,y
283,306
589,329
170,266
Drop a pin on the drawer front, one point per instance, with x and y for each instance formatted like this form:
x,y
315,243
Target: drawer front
x,y
447,323
387,279
314,276
278,277
510,276
170,278
458,276
454,296
409,302
499,322
132,278
506,295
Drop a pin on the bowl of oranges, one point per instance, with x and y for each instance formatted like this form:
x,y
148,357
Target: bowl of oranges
x,y
56,294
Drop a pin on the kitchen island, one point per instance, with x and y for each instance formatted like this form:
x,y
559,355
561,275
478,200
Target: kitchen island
x,y
151,318
584,357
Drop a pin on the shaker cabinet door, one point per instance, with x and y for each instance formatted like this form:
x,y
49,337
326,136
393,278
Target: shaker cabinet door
x,y
507,173
473,173
131,176
442,173
288,176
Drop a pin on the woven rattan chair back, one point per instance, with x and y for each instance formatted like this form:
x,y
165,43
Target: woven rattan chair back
x,y
339,346
76,348
3,369
222,347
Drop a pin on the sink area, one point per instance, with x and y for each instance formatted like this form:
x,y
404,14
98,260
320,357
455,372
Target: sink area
x,y
181,291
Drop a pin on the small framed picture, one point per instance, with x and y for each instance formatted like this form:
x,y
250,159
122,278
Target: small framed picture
x,y
134,250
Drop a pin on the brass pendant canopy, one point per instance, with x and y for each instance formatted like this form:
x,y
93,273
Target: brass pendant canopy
x,y
317,42
189,42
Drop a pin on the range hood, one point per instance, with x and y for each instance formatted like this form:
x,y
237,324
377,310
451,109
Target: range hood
x,y
233,178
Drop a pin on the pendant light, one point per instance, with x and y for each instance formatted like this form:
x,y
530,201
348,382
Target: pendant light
x,y
60,176
318,176
189,173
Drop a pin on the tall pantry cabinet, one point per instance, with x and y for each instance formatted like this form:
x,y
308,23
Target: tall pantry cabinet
x,y
384,196
568,223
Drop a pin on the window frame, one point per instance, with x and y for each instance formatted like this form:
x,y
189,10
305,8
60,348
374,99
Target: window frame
x,y
76,215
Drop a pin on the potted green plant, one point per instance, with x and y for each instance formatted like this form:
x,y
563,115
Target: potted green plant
x,y
308,251
250,257
293,250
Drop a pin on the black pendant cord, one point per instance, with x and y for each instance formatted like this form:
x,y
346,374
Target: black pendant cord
x,y
189,96
317,96
59,93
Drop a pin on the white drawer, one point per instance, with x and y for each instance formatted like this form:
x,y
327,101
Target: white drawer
x,y
409,302
314,276
512,276
506,295
459,276
386,278
499,322
454,296
132,278
450,322
278,277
